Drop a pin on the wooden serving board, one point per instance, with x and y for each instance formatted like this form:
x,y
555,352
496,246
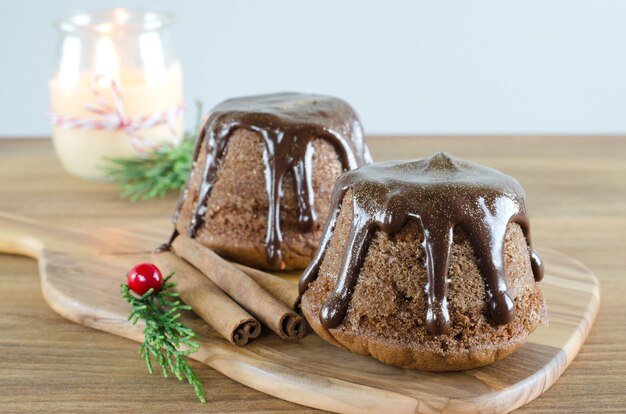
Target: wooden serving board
x,y
80,278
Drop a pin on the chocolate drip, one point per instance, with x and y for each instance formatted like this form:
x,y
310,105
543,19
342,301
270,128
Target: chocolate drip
x,y
288,123
440,192
167,246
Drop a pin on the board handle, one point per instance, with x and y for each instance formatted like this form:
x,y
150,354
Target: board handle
x,y
22,236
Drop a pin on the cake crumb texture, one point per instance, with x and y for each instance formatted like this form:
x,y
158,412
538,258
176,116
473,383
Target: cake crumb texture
x,y
235,223
386,317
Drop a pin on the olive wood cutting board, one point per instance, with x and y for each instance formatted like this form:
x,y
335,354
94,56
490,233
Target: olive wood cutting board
x,y
81,273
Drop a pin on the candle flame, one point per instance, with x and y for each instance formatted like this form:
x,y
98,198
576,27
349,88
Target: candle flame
x,y
105,28
121,15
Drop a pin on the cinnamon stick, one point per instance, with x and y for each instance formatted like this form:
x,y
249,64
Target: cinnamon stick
x,y
208,301
281,289
242,288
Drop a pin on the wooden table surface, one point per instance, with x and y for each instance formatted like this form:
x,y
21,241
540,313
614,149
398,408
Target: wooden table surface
x,y
576,190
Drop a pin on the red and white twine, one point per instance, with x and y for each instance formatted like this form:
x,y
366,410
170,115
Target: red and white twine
x,y
112,117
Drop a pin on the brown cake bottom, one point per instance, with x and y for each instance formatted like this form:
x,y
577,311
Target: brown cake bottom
x,y
235,224
386,317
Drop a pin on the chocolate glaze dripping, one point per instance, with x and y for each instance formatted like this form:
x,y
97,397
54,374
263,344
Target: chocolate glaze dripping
x,y
167,246
440,192
288,123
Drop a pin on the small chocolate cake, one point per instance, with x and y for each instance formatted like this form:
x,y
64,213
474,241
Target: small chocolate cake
x,y
263,172
426,264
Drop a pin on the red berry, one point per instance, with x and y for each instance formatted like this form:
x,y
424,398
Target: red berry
x,y
144,276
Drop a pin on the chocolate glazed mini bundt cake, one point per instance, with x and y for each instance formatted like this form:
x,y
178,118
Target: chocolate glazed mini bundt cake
x,y
425,264
263,172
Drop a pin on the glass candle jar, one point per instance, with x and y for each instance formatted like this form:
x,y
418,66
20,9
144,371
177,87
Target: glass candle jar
x,y
116,90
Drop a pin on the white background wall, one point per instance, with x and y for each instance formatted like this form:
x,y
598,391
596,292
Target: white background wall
x,y
481,66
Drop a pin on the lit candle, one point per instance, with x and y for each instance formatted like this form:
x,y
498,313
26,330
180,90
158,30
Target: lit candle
x,y
117,91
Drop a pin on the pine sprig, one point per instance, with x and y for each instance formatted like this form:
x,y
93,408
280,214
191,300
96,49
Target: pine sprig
x,y
166,340
161,171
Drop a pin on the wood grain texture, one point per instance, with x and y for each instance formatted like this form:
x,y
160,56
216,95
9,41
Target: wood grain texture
x,y
577,199
81,283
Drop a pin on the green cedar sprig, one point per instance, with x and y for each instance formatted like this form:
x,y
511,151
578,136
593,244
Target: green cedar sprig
x,y
166,339
161,171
